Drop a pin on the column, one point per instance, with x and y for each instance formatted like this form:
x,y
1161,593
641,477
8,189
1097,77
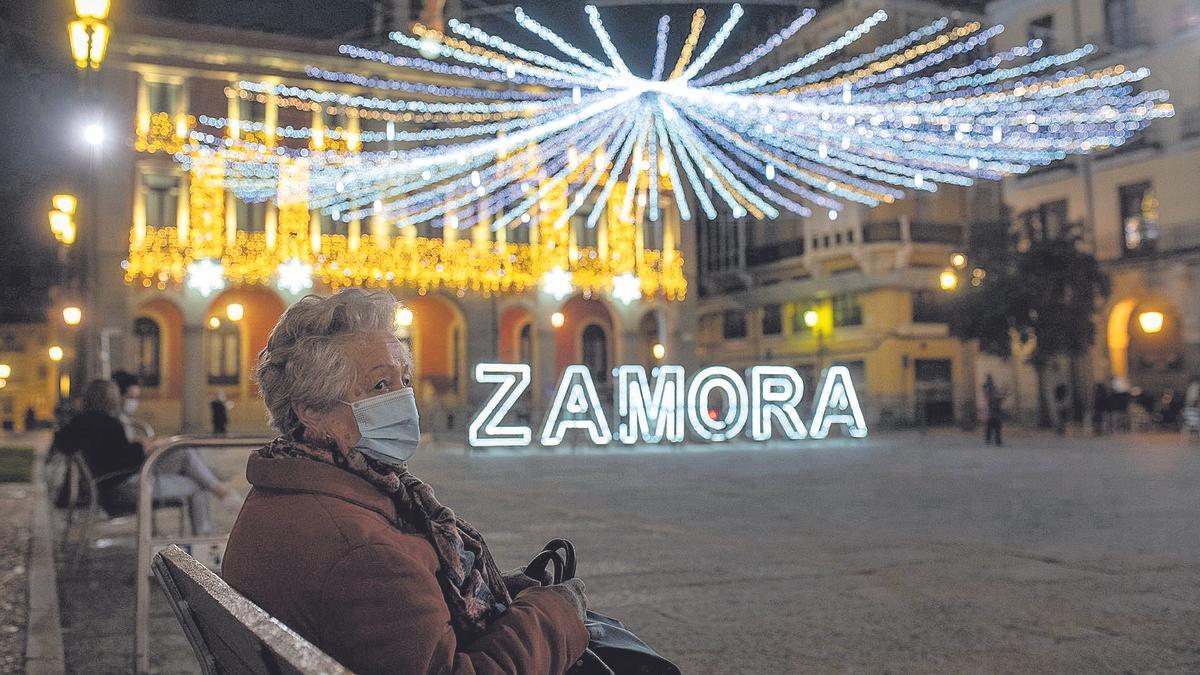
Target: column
x,y
195,406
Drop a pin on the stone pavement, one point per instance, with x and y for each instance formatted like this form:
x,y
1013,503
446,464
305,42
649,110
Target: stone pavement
x,y
900,553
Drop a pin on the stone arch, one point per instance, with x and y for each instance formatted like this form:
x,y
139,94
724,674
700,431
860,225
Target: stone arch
x,y
261,311
169,319
1147,359
438,337
580,313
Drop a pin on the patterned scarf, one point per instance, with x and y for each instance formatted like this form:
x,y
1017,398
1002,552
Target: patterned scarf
x,y
471,582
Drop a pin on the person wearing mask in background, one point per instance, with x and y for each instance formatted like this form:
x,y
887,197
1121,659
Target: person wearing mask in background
x,y
220,413
130,387
342,544
116,461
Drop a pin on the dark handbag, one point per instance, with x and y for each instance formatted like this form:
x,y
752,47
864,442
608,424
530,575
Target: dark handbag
x,y
612,648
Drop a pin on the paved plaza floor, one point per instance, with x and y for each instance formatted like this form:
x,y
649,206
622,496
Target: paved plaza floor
x,y
900,553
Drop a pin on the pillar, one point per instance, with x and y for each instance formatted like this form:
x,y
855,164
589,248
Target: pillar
x,y
195,406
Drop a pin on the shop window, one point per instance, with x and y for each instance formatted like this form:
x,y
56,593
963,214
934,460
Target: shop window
x,y
160,197
1139,218
733,324
595,352
772,320
147,344
847,311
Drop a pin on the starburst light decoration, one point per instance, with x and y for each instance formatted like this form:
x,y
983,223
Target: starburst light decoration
x,y
559,138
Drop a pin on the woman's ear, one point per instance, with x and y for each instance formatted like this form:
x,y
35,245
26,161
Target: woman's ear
x,y
313,420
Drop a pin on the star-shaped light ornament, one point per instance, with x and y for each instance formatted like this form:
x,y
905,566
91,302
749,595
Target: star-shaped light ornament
x,y
627,288
557,283
294,276
205,276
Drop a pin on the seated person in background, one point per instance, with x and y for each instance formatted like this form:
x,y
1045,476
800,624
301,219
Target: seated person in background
x,y
130,388
341,543
97,432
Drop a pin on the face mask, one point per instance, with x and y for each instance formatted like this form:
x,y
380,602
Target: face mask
x,y
130,405
389,425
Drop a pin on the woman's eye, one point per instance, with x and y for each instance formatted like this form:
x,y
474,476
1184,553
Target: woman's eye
x,y
381,385
407,381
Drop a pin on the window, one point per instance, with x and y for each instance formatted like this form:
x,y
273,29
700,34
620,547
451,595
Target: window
x,y
160,196
162,97
733,324
525,344
1139,218
251,216
1119,23
519,234
927,307
224,354
847,311
595,352
1047,221
585,237
772,320
1042,28
250,110
147,344
329,225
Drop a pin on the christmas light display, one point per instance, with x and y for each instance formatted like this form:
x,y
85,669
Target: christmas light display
x,y
655,412
546,141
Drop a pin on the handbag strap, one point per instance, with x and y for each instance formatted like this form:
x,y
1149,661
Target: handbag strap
x,y
561,553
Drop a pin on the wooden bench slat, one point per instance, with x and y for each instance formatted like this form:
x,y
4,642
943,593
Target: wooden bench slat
x,y
226,628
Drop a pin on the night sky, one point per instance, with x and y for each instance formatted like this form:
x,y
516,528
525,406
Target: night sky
x,y
40,153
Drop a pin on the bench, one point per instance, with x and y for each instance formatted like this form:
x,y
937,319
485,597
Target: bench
x,y
229,633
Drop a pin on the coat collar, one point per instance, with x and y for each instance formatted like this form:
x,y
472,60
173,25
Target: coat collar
x,y
295,474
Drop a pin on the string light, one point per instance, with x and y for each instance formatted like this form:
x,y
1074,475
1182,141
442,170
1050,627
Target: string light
x,y
589,134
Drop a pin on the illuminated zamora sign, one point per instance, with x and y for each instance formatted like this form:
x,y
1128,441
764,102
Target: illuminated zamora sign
x,y
661,410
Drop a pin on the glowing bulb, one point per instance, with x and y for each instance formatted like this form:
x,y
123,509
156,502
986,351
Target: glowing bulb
x,y
404,317
64,203
810,318
660,351
214,323
5,371
948,280
958,260
557,319
93,134
56,353
235,311
72,315
1151,322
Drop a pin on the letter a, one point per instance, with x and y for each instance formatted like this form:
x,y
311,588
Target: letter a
x,y
577,395
838,405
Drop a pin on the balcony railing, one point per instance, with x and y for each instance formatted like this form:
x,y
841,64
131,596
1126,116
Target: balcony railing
x,y
918,233
769,253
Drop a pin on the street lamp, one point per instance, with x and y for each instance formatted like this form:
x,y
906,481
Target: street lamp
x,y
810,318
62,222
89,33
93,134
72,315
404,317
5,371
56,353
1151,322
557,319
958,261
659,351
214,322
235,311
948,280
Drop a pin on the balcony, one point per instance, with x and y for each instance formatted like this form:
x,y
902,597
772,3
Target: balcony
x,y
950,234
769,253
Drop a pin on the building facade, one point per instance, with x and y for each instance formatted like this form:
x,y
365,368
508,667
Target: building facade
x,y
1136,206
858,288
191,278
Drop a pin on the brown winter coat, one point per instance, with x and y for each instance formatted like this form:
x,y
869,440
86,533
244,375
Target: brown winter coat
x,y
319,548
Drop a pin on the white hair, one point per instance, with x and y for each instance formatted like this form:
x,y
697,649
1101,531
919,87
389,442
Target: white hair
x,y
304,363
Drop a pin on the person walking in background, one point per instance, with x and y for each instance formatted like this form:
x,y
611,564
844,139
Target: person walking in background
x,y
993,399
220,413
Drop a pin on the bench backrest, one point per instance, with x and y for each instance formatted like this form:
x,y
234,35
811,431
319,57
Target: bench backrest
x,y
229,633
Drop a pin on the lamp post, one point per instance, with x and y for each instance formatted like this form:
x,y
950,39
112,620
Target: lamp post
x,y
812,319
89,35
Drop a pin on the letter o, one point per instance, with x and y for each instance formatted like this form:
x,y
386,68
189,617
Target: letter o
x,y
734,420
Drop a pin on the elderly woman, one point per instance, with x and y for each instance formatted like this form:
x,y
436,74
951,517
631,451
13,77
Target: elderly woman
x,y
340,542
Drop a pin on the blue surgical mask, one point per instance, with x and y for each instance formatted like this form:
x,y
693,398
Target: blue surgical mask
x,y
389,425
